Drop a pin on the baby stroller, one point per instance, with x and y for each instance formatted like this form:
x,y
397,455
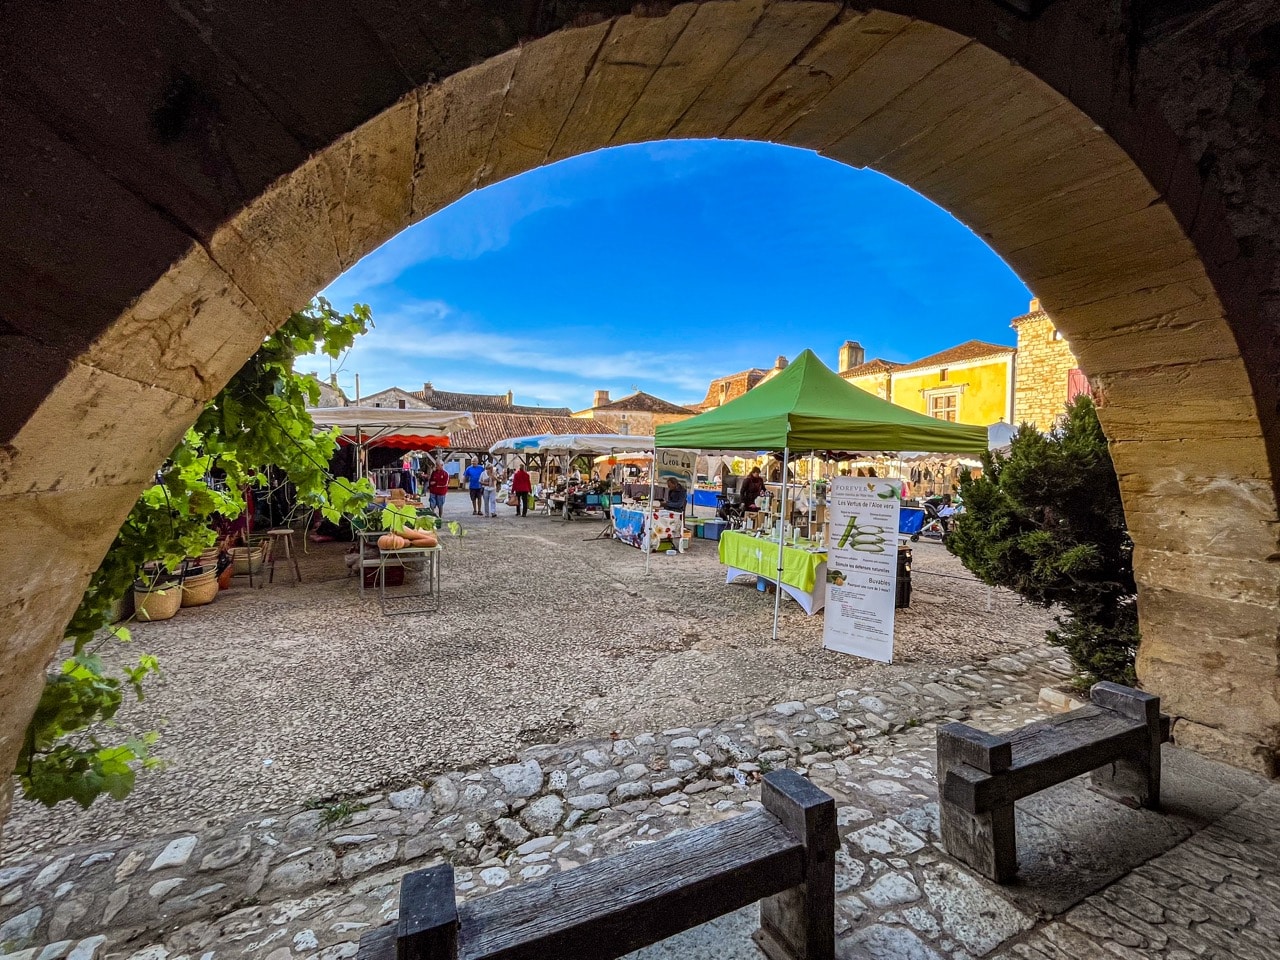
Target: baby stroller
x,y
938,513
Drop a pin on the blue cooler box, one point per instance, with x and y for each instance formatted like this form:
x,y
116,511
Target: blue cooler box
x,y
711,529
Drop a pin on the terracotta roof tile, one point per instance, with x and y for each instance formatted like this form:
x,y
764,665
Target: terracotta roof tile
x,y
871,366
482,403
492,427
644,402
969,350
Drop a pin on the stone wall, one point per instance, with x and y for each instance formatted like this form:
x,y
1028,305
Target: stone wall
x,y
176,182
1041,367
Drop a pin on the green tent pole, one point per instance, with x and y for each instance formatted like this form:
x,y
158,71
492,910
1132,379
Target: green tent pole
x,y
782,524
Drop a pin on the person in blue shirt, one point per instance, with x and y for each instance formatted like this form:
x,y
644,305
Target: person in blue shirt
x,y
676,496
473,475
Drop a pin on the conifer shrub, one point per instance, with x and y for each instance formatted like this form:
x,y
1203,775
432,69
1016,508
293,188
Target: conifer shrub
x,y
1046,521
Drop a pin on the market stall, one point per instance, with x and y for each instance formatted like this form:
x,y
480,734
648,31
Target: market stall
x,y
808,408
368,427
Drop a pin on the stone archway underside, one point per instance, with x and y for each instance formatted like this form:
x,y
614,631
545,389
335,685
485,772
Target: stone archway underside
x,y
1050,191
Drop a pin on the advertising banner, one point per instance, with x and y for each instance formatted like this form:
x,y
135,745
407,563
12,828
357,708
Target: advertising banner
x,y
862,566
681,464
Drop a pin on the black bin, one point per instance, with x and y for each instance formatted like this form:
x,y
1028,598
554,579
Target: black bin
x,y
903,598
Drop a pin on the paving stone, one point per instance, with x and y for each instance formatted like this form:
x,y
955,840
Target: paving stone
x,y
115,903
18,930
788,709
175,854
602,779
543,815
886,837
890,890
589,801
51,873
313,869
879,941
520,779
227,854
969,911
511,831
56,950
409,798
87,949
162,888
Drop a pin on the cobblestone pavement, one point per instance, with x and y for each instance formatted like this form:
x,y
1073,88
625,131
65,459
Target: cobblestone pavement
x,y
541,637
304,884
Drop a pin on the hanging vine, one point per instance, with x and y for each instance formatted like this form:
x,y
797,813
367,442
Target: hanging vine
x,y
73,749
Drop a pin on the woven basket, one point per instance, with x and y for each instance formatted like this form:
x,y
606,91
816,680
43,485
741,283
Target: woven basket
x,y
159,603
244,556
200,589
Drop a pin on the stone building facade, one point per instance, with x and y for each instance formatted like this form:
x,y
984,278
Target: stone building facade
x,y
639,413
1047,375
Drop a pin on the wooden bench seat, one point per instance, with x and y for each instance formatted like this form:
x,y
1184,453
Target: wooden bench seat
x,y
783,855
980,776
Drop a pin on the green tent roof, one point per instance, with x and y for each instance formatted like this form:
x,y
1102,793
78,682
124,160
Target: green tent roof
x,y
808,407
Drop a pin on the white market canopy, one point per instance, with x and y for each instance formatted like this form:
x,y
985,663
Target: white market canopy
x,y
370,426
566,443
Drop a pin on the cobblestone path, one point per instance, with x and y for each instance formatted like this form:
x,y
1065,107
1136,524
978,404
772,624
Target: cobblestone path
x,y
304,884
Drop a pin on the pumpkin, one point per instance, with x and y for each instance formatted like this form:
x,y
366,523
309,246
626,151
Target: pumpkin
x,y
389,541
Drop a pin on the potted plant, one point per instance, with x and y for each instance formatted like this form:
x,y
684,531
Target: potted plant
x,y
157,594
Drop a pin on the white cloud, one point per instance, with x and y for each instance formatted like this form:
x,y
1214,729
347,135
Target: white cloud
x,y
433,331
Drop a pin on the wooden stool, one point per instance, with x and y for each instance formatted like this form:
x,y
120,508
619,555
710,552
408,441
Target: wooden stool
x,y
284,537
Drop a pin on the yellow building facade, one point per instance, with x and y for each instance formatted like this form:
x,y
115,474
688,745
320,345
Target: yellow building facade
x,y
972,383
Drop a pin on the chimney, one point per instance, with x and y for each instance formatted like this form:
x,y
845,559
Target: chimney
x,y
780,363
427,389
1035,305
851,355
510,398
333,380
602,397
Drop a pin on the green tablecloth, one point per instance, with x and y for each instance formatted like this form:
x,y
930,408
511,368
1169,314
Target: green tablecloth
x,y
759,556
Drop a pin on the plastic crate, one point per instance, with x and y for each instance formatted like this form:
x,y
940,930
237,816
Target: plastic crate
x,y
712,529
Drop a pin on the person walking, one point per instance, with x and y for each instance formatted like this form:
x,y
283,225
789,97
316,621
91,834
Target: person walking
x,y
437,487
473,475
489,491
522,487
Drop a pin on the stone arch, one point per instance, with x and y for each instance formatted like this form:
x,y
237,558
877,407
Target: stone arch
x,y
1125,246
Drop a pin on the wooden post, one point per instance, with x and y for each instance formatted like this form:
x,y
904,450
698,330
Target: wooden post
x,y
800,923
1134,779
984,841
428,924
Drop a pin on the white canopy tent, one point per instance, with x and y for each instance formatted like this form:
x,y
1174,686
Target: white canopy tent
x,y
370,426
573,443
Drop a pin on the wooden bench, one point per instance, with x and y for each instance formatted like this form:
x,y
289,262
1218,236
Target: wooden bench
x,y
980,775
783,855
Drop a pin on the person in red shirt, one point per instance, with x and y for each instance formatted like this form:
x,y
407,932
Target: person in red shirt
x,y
521,486
437,487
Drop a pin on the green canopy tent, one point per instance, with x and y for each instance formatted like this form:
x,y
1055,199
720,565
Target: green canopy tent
x,y
808,407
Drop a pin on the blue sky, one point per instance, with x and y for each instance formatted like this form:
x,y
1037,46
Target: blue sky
x,y
660,266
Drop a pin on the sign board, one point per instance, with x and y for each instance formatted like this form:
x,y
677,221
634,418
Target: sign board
x,y
681,464
862,566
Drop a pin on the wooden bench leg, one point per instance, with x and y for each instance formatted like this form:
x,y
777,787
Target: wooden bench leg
x,y
800,923
428,925
1134,780
984,841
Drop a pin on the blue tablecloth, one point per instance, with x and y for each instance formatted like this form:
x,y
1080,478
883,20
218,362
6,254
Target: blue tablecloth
x,y
706,498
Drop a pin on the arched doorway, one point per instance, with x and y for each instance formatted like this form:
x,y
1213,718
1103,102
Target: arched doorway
x,y
1102,235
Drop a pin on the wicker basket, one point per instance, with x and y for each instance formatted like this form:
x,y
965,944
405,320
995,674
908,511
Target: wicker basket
x,y
243,557
200,589
158,603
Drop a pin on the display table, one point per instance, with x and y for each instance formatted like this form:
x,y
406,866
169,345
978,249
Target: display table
x,y
425,558
804,571
636,525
